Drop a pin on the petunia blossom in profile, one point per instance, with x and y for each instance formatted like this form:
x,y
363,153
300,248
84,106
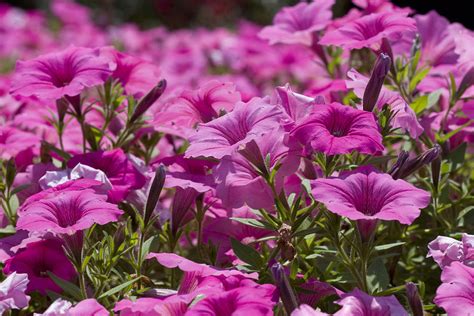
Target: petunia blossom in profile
x,y
12,292
368,31
358,303
68,212
296,25
456,293
65,73
36,260
337,129
367,195
224,135
89,307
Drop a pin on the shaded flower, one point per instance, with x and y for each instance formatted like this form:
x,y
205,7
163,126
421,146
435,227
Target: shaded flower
x,y
338,129
358,303
12,292
296,25
36,260
456,294
68,212
368,31
58,74
224,135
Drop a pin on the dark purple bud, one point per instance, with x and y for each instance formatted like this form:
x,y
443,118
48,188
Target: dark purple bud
x,y
76,104
398,166
61,107
435,172
414,299
287,295
372,91
411,165
466,82
182,202
148,100
154,192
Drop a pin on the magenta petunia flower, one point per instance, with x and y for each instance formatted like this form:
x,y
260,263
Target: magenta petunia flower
x,y
240,301
358,303
456,294
19,145
119,169
338,129
224,135
296,25
296,106
239,183
12,292
445,250
368,31
88,307
174,305
68,212
199,106
404,117
367,194
64,73
36,260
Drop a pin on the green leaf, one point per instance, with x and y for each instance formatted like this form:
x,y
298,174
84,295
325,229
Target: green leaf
x,y
253,222
68,287
20,188
246,253
388,246
377,276
420,104
8,230
418,77
465,211
118,288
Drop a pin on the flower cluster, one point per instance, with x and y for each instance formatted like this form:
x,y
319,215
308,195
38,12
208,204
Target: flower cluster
x,y
315,166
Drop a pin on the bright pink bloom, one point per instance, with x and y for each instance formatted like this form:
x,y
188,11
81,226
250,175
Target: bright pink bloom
x,y
59,307
376,6
306,310
338,129
368,31
137,76
238,182
12,292
296,106
404,116
456,294
199,106
175,305
88,307
65,73
19,145
446,250
296,25
36,260
118,168
368,194
68,212
224,135
187,173
240,301
358,303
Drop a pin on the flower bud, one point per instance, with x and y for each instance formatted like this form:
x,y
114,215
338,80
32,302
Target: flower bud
x,y
372,91
61,107
414,299
466,82
148,100
182,202
287,295
154,192
408,166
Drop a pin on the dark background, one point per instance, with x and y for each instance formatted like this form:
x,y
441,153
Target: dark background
x,y
190,13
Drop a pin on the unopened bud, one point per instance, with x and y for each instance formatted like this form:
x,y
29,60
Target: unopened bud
x,y
287,295
466,82
374,86
154,192
408,166
414,299
147,101
61,107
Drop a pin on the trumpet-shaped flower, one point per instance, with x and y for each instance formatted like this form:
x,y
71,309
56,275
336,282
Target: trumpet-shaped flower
x,y
58,74
338,129
358,303
445,250
12,292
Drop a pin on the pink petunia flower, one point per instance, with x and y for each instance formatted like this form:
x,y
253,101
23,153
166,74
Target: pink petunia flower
x,y
404,116
456,294
36,260
224,135
199,106
19,145
119,169
368,31
68,212
358,303
64,73
445,250
338,129
12,292
175,305
367,195
62,307
296,25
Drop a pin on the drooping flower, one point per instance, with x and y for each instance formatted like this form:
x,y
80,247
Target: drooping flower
x,y
199,106
358,303
58,74
368,31
367,195
238,181
456,294
338,129
12,292
224,135
68,212
36,260
445,250
296,25
119,169
404,116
